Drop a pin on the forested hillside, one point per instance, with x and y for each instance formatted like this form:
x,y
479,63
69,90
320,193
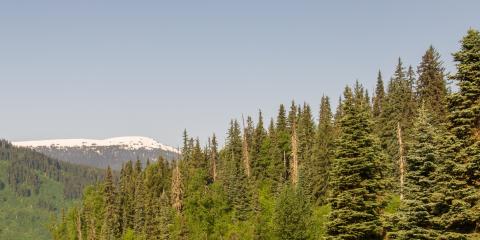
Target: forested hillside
x,y
35,188
401,163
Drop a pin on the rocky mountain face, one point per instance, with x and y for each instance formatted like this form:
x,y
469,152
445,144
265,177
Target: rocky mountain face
x,y
111,152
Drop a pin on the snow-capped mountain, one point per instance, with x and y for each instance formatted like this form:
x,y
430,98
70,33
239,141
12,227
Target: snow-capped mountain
x,y
103,152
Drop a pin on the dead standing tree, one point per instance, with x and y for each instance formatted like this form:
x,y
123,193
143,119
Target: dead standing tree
x,y
401,159
177,189
245,153
294,165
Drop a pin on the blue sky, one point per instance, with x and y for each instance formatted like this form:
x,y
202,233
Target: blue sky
x,y
98,69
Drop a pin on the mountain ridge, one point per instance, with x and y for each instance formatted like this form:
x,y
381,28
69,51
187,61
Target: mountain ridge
x,y
128,142
102,153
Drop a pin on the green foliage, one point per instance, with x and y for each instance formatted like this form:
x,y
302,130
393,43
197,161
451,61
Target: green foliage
x,y
28,217
398,108
34,189
393,204
431,85
355,179
292,215
417,211
349,182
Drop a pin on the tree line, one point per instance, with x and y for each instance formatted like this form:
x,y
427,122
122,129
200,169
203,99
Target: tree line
x,y
403,163
26,165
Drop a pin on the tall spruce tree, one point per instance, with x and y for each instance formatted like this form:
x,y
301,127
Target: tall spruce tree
x,y
431,85
259,165
379,96
355,179
110,228
398,111
281,140
463,170
236,184
418,211
323,154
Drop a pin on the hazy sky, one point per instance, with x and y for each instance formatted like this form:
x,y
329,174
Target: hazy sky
x,y
98,69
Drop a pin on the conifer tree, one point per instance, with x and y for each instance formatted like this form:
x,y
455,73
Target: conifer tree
x,y
355,175
246,145
127,190
164,218
282,141
273,157
398,111
463,169
139,205
319,169
431,85
185,148
259,161
292,215
177,189
416,213
214,158
306,135
379,96
236,184
110,228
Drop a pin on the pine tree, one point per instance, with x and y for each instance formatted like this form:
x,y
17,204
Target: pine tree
x,y
431,85
185,148
110,228
246,145
463,169
292,215
127,196
139,205
417,214
164,218
355,175
214,158
306,135
319,169
379,97
282,141
273,157
151,225
259,162
236,184
398,111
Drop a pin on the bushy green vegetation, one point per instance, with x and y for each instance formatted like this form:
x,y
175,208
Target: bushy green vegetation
x,y
35,189
29,217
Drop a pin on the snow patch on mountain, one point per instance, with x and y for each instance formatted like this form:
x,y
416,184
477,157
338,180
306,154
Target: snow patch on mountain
x,y
128,142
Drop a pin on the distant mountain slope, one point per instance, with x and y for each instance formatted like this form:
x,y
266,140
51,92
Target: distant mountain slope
x,y
102,153
34,188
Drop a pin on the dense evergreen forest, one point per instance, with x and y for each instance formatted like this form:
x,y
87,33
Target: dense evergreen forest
x,y
34,187
401,163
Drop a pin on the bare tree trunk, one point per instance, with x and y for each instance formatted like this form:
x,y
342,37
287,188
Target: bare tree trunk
x,y
91,230
214,165
246,156
294,164
177,190
401,159
79,226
